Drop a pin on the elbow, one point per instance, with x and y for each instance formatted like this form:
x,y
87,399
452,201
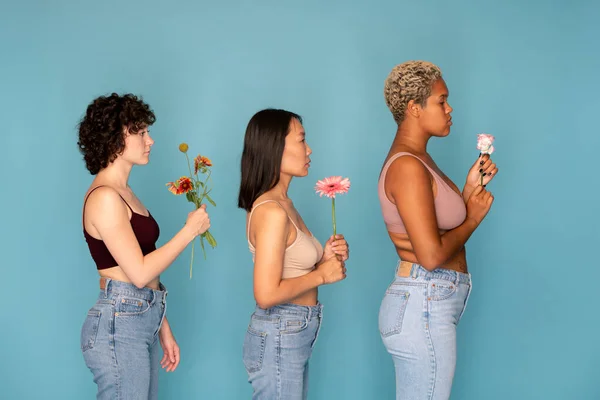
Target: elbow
x,y
431,261
139,283
263,301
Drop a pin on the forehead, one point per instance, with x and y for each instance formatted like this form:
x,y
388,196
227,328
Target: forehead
x,y
296,127
439,88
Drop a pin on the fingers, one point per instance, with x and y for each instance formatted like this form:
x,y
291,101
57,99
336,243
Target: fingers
x,y
477,191
171,358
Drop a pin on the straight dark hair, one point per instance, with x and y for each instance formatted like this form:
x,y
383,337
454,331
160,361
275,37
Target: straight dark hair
x,y
263,150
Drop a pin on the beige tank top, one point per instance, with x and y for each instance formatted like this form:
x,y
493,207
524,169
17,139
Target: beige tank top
x,y
301,256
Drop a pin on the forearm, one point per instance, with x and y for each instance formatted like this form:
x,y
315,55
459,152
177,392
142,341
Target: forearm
x,y
165,327
160,259
466,192
288,289
451,242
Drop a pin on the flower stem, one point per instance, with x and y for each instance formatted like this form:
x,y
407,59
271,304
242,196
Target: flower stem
x,y
333,214
192,260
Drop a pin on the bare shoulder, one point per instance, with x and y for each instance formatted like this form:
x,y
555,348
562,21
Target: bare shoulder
x,y
269,214
407,169
105,201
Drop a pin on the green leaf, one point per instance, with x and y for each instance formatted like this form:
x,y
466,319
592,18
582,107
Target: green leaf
x,y
211,201
190,196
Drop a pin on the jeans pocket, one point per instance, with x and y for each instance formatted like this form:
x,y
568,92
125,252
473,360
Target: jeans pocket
x,y
131,306
441,290
295,325
391,311
89,330
254,349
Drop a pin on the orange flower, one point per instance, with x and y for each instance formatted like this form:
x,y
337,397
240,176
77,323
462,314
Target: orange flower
x,y
181,186
200,162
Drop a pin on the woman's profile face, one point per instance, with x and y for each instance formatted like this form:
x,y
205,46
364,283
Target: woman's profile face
x,y
296,154
435,117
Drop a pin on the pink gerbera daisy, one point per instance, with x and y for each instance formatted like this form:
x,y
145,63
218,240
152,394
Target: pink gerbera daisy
x,y
331,186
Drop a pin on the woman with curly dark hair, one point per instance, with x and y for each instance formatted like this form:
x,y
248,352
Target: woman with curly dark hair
x,y
120,336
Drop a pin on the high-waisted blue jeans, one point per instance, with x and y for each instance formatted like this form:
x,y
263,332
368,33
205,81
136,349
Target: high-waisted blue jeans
x,y
119,341
278,344
417,323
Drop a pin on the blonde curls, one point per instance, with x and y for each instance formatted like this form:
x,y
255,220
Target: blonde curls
x,y
411,80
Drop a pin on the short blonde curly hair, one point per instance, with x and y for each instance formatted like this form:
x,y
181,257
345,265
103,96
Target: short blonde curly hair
x,y
411,80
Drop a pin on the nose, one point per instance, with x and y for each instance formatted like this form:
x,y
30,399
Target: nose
x,y
149,140
308,150
449,109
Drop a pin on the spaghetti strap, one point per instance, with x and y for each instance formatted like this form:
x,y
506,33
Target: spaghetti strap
x,y
88,196
259,204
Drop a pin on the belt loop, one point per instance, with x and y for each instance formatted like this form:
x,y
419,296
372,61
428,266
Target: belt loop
x,y
413,271
457,280
107,280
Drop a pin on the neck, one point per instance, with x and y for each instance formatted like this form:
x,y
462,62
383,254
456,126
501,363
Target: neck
x,y
411,136
281,189
117,173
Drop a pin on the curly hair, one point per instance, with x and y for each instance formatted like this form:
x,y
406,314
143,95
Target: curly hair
x,y
411,80
101,130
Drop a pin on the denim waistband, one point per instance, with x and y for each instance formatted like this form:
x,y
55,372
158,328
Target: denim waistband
x,y
292,309
115,288
418,271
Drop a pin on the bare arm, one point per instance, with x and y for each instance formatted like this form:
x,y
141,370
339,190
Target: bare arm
x,y
108,214
271,229
410,187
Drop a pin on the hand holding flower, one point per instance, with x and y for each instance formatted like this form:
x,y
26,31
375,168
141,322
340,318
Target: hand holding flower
x,y
336,246
196,191
484,169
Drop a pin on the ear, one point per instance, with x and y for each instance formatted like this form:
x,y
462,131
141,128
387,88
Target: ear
x,y
413,109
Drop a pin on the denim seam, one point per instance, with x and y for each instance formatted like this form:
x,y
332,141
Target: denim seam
x,y
111,346
277,361
430,344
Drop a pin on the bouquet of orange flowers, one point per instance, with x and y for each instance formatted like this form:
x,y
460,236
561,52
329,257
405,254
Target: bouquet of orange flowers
x,y
196,191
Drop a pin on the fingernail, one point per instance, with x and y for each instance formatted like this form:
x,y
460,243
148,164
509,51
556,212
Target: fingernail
x,y
484,185
480,169
485,173
480,162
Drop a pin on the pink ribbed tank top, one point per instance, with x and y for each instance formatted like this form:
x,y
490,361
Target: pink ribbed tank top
x,y
450,209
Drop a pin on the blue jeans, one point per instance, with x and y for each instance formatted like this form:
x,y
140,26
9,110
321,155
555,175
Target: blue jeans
x,y
278,344
119,341
417,323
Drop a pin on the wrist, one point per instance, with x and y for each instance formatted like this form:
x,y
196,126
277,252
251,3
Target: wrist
x,y
188,233
319,278
472,223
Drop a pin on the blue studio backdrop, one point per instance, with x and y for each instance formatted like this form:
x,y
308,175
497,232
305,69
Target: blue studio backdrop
x,y
526,72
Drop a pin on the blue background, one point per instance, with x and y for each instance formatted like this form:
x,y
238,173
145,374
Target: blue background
x,y
526,72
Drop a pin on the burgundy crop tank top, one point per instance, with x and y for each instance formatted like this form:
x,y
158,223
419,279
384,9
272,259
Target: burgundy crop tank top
x,y
146,231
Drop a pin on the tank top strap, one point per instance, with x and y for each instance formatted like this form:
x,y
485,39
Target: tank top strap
x,y
88,196
259,204
398,155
